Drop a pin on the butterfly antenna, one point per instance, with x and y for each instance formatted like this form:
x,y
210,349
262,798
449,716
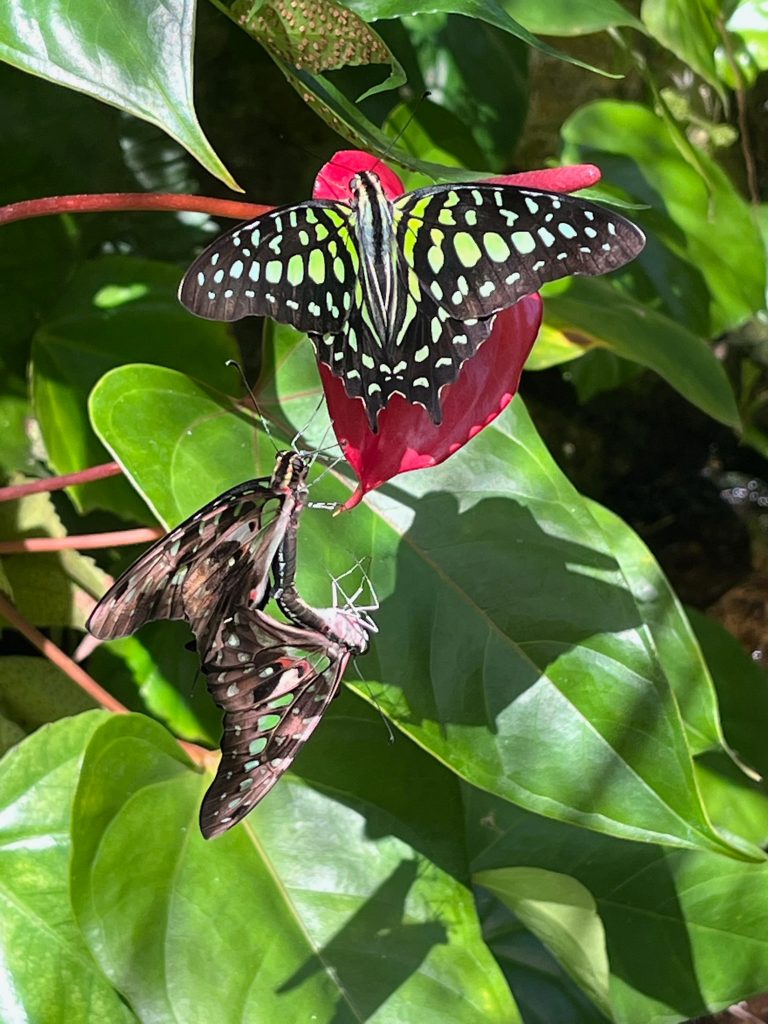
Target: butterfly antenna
x,y
259,413
307,425
424,96
385,720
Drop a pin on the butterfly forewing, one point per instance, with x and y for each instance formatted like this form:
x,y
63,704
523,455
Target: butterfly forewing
x,y
477,249
297,264
273,682
223,552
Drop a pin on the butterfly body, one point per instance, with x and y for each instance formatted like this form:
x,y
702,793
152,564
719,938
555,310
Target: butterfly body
x,y
397,294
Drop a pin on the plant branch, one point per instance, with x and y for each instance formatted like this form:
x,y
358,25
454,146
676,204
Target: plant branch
x,y
741,108
103,202
56,483
83,542
80,677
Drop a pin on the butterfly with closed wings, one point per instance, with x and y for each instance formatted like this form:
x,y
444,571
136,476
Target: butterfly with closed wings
x,y
396,295
273,680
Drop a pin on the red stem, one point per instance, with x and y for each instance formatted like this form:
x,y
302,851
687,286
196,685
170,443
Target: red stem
x,y
79,676
55,483
84,542
105,201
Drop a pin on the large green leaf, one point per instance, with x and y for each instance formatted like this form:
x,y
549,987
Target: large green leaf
x,y
480,76
669,631
321,35
48,972
116,310
135,56
570,17
512,647
594,313
331,903
704,256
689,29
561,912
34,692
489,11
741,690
685,932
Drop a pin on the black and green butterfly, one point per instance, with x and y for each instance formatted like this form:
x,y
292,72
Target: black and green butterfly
x,y
273,680
396,295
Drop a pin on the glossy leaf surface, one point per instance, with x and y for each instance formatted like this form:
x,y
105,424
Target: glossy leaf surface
x,y
509,704
134,56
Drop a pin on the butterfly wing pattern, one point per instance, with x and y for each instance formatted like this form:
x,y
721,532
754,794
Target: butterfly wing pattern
x,y
297,264
220,555
273,681
397,295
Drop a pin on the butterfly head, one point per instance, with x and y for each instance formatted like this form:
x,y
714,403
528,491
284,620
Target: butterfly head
x,y
290,472
366,188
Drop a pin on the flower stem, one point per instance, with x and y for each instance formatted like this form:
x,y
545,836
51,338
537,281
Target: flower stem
x,y
103,202
56,483
79,676
83,542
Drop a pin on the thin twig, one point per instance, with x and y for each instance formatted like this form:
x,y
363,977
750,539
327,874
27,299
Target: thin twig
x,y
83,542
56,483
80,677
741,109
107,202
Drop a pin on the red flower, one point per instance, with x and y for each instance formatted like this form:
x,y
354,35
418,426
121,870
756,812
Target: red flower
x,y
407,438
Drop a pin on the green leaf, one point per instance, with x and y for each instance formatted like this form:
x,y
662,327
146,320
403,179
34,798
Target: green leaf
x,y
116,310
49,588
122,54
483,76
735,803
740,686
33,692
155,673
601,315
688,29
14,442
562,914
670,632
53,976
489,11
554,347
537,679
570,17
748,31
346,118
201,445
321,35
704,257
685,932
351,919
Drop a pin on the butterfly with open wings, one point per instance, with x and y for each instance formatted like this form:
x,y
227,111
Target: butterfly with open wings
x,y
396,295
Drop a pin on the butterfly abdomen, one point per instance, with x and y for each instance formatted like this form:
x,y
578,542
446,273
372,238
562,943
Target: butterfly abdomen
x,y
377,247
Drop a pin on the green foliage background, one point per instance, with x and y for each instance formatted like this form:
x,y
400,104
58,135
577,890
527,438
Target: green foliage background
x,y
560,829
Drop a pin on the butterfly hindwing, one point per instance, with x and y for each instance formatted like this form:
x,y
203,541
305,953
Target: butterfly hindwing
x,y
425,354
297,264
478,248
227,546
273,682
